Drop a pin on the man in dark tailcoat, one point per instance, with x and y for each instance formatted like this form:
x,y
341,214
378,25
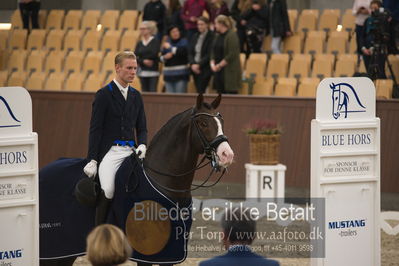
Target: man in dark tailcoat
x,y
118,117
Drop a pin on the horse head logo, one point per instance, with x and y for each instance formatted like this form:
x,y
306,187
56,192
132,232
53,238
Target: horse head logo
x,y
11,117
340,100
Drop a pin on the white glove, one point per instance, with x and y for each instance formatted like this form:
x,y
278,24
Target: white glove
x,y
91,168
141,150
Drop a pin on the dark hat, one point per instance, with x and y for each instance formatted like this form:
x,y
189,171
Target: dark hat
x,y
87,191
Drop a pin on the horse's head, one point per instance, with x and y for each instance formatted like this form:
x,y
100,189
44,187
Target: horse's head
x,y
209,126
335,94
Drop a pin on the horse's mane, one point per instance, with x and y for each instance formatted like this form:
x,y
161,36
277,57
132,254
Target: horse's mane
x,y
170,125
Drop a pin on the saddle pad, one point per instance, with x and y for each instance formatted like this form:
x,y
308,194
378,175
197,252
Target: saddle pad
x,y
132,190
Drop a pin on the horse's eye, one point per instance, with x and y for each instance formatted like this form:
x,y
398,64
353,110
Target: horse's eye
x,y
204,123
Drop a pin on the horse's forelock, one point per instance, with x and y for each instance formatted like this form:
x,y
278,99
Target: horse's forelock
x,y
207,106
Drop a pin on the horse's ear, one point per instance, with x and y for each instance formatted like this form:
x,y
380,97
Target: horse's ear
x,y
200,100
216,102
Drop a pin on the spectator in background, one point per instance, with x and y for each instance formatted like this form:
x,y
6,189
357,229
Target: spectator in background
x,y
155,10
107,245
30,9
225,57
238,234
279,23
361,11
173,16
238,8
192,10
374,60
216,8
174,56
147,53
199,55
256,25
393,7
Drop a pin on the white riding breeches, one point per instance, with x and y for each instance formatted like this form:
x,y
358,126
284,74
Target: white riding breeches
x,y
109,166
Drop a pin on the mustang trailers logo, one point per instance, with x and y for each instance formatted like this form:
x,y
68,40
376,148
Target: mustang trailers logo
x,y
345,100
347,224
10,254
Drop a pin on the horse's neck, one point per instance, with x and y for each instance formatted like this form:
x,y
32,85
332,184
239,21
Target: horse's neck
x,y
171,152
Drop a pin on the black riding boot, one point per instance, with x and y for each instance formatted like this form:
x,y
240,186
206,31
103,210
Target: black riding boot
x,y
102,209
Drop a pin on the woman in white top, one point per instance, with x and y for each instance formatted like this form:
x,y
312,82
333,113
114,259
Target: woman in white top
x,y
147,51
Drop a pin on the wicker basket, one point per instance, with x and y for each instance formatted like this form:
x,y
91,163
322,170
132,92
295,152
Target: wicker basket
x,y
264,149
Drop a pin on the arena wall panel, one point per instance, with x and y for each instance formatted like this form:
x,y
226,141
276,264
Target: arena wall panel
x,y
62,121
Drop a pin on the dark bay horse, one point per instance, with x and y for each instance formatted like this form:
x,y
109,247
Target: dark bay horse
x,y
173,154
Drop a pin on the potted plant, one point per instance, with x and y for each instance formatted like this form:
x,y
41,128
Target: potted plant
x,y
264,139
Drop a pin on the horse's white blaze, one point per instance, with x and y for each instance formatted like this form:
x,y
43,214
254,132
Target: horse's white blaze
x,y
224,150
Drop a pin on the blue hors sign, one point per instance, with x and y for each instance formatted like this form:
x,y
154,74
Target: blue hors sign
x,y
15,190
343,95
345,170
8,115
15,111
16,157
19,197
346,99
360,165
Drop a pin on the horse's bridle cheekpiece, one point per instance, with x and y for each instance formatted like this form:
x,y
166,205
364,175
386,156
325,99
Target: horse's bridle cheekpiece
x,y
209,147
210,154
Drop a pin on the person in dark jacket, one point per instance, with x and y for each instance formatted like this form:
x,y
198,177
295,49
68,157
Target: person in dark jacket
x,y
374,59
147,52
30,9
192,10
238,8
199,55
237,228
256,25
279,23
225,57
173,16
393,7
216,8
155,10
117,113
175,57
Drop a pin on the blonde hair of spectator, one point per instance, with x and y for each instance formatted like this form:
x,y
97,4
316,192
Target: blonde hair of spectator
x,y
244,5
124,55
150,25
225,20
107,245
216,4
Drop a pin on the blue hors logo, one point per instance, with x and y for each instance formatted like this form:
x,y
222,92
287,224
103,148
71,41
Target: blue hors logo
x,y
7,114
10,254
340,100
346,224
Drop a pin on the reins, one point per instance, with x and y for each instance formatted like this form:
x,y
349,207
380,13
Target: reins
x,y
210,154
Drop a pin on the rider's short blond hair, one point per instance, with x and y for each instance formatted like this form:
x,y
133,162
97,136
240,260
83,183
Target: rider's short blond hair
x,y
124,55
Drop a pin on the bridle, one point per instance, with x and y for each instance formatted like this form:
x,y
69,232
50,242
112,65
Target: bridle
x,y
209,148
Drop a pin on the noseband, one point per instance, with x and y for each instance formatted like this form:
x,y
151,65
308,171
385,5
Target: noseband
x,y
209,153
209,147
